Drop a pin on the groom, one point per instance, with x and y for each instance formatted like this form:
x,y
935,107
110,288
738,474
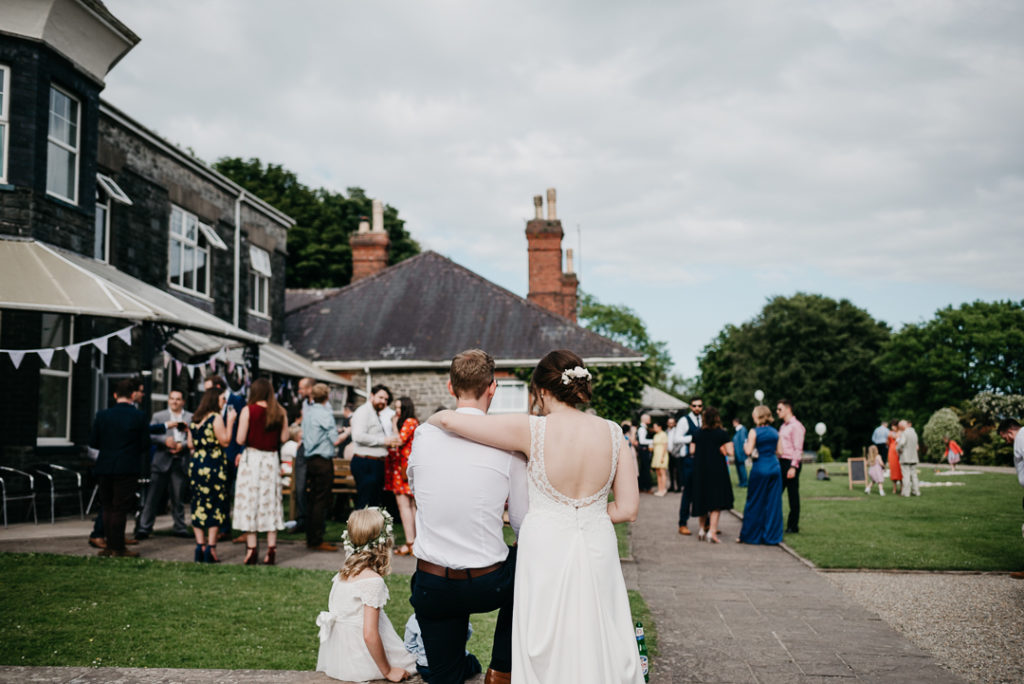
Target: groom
x,y
464,565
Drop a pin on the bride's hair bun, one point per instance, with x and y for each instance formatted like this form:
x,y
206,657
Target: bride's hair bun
x,y
550,374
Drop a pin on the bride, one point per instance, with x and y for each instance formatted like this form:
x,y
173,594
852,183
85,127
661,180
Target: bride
x,y
571,617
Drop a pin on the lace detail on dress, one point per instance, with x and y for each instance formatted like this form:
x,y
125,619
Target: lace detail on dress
x,y
371,591
538,473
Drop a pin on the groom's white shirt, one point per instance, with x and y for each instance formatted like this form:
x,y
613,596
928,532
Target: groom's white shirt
x,y
461,488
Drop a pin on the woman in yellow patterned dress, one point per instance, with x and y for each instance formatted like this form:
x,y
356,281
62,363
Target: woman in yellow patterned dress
x,y
207,472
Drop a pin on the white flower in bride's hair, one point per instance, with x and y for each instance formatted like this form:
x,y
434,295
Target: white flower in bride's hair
x,y
571,373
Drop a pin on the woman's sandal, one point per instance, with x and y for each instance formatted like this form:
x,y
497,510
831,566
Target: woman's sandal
x,y
211,554
271,557
252,555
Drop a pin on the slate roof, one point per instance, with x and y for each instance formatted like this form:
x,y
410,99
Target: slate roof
x,y
427,309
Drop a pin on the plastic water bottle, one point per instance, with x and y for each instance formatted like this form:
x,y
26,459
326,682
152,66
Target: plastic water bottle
x,y
641,644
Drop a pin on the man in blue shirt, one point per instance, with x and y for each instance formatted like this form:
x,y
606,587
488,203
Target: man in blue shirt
x,y
319,439
738,440
880,438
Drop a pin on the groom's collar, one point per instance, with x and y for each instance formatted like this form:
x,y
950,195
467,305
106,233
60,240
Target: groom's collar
x,y
469,409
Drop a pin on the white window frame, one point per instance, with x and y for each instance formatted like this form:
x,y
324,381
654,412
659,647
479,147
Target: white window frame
x,y
52,372
112,189
197,244
106,227
63,145
259,281
503,406
5,119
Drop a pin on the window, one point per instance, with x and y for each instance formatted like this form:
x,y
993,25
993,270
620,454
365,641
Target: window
x,y
512,397
107,191
55,382
5,118
62,147
189,267
259,281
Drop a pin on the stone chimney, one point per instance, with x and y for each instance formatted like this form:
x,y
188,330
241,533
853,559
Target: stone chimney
x,y
549,286
370,245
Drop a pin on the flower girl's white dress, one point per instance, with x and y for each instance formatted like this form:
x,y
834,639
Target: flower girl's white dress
x,y
343,653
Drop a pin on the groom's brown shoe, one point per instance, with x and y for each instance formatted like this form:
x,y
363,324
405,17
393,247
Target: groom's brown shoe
x,y
684,530
495,677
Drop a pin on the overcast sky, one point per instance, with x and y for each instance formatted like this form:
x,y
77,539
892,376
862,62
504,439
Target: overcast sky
x,y
707,155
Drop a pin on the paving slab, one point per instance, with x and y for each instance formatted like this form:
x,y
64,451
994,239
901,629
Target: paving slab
x,y
732,612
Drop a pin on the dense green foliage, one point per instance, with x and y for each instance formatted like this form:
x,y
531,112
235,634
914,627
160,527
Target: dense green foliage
x,y
976,347
943,426
617,389
819,353
975,526
318,250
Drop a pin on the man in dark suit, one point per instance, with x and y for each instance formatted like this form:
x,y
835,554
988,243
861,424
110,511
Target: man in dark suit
x,y
121,435
689,425
233,449
169,467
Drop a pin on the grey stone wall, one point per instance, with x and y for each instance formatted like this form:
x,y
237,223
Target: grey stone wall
x,y
428,389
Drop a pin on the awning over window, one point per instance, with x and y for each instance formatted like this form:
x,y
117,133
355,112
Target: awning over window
x,y
39,277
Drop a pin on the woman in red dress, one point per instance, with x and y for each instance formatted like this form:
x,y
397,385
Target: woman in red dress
x,y
895,472
396,478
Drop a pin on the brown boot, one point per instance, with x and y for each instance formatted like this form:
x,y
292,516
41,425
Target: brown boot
x,y
684,530
495,677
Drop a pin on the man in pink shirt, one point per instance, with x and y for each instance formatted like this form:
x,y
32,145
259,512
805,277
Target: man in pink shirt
x,y
791,451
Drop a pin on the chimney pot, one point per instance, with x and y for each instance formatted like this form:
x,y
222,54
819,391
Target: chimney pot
x,y
538,203
364,224
378,216
552,214
568,261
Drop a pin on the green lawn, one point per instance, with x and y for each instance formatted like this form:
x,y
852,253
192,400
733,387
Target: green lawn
x,y
976,526
68,610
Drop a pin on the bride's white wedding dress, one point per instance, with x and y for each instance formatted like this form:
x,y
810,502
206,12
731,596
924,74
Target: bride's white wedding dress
x,y
571,619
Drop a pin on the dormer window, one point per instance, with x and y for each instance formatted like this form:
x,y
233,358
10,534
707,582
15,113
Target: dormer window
x,y
62,146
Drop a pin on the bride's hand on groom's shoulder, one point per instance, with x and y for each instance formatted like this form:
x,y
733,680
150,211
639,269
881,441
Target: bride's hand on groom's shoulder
x,y
437,419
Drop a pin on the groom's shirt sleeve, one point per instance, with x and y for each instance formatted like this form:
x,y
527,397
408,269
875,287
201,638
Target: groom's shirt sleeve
x,y
518,497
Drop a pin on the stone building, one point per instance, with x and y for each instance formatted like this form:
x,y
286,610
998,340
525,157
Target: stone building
x,y
107,228
401,325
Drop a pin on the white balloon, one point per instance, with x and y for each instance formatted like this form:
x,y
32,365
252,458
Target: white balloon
x,y
759,394
820,429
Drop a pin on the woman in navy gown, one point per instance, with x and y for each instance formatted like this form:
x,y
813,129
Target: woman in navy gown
x,y
762,515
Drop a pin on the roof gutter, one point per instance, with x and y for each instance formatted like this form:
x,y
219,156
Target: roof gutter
x,y
391,364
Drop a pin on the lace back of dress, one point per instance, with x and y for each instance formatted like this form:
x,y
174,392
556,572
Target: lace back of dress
x,y
537,471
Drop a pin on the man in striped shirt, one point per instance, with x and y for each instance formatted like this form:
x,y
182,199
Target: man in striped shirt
x,y
791,451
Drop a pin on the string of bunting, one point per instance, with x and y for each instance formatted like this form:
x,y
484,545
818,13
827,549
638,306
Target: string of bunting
x,y
72,350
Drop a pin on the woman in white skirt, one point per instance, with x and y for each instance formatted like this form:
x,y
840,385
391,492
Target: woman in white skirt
x,y
262,428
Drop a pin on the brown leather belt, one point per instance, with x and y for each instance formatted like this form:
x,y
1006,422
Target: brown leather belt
x,y
450,573
372,458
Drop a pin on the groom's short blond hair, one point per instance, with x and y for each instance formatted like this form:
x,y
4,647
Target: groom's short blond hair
x,y
472,372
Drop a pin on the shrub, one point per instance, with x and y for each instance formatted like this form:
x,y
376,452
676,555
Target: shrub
x,y
941,427
993,450
824,454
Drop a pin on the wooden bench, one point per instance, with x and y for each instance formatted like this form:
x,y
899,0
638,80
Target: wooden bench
x,y
344,483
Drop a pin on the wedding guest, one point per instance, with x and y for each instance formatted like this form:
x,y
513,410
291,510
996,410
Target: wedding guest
x,y
262,428
299,490
659,458
236,403
644,438
876,474
739,439
675,455
953,453
320,439
371,441
169,466
396,478
209,433
762,514
893,458
712,487
689,425
880,438
907,445
791,453
121,435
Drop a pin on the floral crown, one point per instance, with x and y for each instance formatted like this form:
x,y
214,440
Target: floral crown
x,y
569,374
385,534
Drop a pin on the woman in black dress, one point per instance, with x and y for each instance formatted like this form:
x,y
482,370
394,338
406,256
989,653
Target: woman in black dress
x,y
712,488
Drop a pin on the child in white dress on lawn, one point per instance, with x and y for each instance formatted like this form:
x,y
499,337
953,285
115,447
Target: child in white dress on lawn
x,y
876,473
357,641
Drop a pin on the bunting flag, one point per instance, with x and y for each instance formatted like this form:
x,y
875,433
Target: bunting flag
x,y
125,334
101,344
72,351
167,359
177,366
16,357
46,355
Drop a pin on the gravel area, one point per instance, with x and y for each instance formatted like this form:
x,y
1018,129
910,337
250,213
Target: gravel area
x,y
972,624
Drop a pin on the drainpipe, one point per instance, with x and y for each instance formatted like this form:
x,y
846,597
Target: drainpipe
x,y
369,382
238,249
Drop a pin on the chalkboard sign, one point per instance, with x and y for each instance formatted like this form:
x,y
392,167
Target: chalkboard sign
x,y
858,471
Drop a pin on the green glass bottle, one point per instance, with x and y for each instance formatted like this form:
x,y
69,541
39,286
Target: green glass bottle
x,y
641,644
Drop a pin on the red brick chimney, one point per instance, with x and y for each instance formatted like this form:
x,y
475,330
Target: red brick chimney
x,y
370,246
549,286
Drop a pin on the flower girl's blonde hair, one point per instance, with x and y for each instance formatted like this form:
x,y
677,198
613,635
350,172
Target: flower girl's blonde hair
x,y
368,543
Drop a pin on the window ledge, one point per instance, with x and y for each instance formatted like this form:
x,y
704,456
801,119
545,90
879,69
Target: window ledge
x,y
53,442
257,314
6,186
62,200
190,293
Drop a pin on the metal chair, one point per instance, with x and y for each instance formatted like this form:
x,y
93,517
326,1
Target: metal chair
x,y
7,473
52,471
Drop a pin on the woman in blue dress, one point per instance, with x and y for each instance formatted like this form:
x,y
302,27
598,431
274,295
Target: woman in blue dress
x,y
762,514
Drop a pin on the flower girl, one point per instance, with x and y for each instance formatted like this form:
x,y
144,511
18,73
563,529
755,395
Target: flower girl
x,y
357,641
876,473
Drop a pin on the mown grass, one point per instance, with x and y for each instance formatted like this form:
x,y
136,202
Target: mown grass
x,y
976,526
74,611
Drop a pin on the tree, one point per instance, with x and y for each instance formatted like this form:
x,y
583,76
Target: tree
x,y
819,353
976,347
318,250
617,389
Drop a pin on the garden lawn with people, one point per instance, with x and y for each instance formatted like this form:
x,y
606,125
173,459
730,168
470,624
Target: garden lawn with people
x,y
975,526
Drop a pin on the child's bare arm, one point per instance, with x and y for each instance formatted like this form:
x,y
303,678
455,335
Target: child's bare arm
x,y
371,636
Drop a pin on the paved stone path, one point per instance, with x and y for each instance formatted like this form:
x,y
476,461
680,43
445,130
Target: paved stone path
x,y
724,613
736,613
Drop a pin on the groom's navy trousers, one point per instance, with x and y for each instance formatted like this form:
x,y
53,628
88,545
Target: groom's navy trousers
x,y
443,607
